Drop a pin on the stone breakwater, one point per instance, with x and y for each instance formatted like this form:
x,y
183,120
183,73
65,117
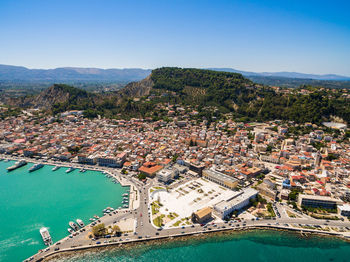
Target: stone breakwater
x,y
162,240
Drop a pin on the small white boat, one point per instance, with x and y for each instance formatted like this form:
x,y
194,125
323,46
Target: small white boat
x,y
18,164
55,168
44,232
71,231
36,167
70,169
73,225
80,222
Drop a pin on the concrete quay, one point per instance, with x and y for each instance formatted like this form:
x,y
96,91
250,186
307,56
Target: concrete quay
x,y
278,224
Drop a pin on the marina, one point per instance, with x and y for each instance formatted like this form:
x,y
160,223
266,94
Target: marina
x,y
25,216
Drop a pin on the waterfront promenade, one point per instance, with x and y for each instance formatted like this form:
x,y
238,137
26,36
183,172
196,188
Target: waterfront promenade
x,y
82,242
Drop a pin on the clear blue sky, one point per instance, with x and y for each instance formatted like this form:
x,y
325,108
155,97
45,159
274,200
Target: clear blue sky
x,y
278,35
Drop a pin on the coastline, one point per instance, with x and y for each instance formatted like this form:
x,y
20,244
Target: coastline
x,y
163,241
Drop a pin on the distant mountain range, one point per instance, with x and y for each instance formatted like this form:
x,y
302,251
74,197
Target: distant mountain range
x,y
19,73
286,74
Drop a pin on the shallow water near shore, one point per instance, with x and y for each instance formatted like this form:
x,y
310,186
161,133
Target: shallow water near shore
x,y
29,201
251,246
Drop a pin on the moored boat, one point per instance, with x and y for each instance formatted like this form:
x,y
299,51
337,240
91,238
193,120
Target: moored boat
x,y
55,168
44,232
17,165
70,169
36,167
73,225
71,231
80,222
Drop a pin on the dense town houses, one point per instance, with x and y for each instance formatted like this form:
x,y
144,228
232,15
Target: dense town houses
x,y
276,157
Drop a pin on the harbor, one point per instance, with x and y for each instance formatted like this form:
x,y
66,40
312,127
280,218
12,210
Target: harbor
x,y
44,209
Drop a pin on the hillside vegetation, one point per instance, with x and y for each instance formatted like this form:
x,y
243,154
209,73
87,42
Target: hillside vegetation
x,y
212,94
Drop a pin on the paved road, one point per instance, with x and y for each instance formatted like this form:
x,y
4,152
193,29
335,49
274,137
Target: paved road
x,y
145,230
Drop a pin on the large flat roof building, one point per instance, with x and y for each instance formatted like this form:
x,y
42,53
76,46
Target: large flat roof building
x,y
237,202
220,178
318,201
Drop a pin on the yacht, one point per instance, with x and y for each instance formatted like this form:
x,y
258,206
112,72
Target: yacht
x,y
44,232
36,167
80,222
70,169
55,168
71,231
82,170
17,165
73,226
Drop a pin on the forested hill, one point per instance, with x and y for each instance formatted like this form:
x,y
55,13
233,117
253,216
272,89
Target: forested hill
x,y
177,79
200,94
214,94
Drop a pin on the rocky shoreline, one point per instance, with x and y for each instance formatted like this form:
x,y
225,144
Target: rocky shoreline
x,y
183,239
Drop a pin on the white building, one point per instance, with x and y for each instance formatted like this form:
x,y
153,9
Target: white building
x,y
237,202
164,175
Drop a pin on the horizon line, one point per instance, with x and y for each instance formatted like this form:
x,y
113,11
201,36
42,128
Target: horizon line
x,y
205,68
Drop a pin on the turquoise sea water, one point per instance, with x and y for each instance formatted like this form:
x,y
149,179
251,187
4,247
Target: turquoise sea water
x,y
256,246
29,201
